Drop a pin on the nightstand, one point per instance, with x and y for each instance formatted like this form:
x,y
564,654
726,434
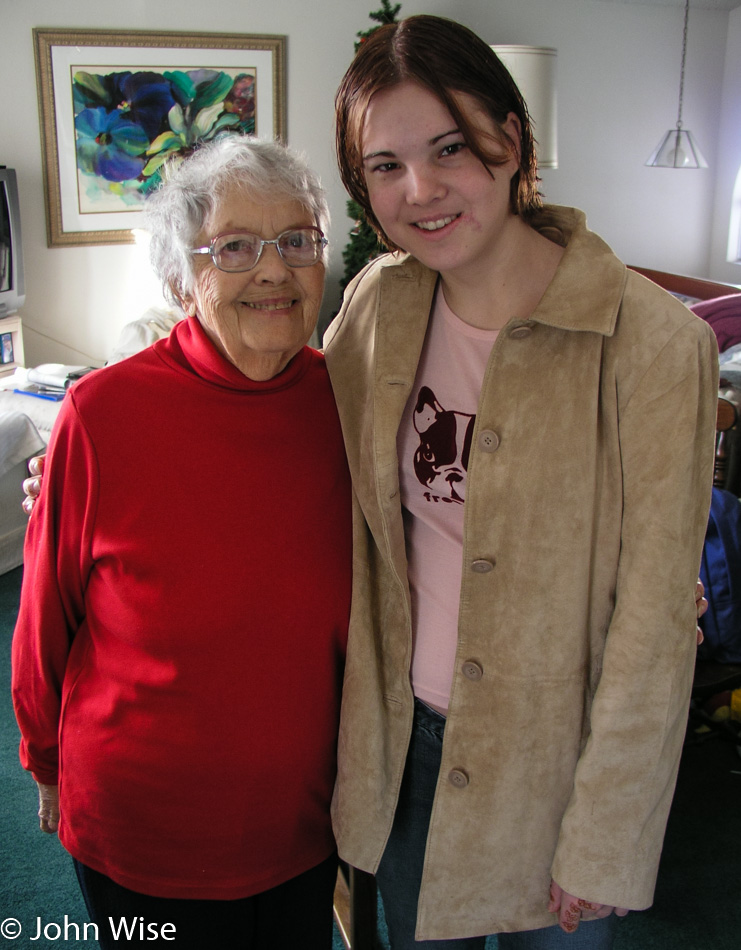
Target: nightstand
x,y
11,344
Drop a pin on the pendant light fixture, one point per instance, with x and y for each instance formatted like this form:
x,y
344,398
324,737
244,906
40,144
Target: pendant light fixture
x,y
677,149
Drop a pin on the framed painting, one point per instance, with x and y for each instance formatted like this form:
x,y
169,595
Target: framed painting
x,y
115,106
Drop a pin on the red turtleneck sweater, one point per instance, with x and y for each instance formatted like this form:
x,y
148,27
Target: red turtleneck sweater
x,y
178,656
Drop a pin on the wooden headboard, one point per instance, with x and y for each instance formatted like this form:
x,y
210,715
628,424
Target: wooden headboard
x,y
688,286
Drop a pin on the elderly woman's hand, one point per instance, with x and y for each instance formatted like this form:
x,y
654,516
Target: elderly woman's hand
x,y
32,486
702,605
48,808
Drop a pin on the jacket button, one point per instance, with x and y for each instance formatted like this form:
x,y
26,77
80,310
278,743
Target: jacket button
x,y
488,440
482,566
458,778
522,331
472,670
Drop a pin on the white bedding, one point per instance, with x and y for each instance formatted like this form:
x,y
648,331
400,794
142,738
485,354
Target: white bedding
x,y
19,440
29,432
42,412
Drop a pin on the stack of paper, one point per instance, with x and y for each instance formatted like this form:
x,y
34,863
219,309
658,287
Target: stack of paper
x,y
57,375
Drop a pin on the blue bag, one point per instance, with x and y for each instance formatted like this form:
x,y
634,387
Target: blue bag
x,y
720,572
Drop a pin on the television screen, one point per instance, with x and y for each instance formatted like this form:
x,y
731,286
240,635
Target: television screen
x,y
5,245
12,288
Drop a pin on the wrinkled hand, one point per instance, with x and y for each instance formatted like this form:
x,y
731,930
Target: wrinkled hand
x,y
48,808
572,910
32,486
702,605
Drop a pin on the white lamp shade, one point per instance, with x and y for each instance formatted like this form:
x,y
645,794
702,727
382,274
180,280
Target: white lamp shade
x,y
533,68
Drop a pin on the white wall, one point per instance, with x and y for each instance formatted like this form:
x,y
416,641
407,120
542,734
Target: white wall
x,y
618,89
618,76
729,154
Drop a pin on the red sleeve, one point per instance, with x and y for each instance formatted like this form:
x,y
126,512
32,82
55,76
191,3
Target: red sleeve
x,y
57,563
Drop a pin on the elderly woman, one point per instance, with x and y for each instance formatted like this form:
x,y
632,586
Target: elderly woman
x,y
178,655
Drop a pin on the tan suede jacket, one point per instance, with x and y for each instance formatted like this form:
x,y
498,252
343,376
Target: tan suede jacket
x,y
584,521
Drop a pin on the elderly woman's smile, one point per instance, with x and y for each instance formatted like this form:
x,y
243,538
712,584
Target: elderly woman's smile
x,y
260,318
269,305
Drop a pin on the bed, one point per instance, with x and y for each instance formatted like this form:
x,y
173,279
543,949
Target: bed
x,y
688,289
25,428
720,305
19,440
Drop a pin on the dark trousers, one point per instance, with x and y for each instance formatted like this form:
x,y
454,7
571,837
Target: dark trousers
x,y
297,913
399,876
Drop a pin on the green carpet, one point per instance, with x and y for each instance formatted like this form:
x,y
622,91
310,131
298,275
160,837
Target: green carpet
x,y
36,875
698,895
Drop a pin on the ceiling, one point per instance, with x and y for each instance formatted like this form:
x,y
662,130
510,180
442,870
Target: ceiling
x,y
697,4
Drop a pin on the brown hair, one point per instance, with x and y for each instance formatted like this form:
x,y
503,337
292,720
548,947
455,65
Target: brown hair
x,y
446,58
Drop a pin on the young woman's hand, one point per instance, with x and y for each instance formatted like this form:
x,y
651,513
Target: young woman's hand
x,y
32,486
572,910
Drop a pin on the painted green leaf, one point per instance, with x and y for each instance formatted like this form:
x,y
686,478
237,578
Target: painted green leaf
x,y
227,120
157,162
91,82
166,140
176,119
211,92
183,83
206,118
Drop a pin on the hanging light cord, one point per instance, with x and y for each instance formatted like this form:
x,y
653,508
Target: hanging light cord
x,y
684,56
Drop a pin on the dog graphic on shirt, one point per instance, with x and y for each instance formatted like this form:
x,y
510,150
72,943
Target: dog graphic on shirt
x,y
441,460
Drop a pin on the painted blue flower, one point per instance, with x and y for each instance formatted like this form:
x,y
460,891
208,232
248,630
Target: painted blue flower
x,y
147,98
110,145
144,97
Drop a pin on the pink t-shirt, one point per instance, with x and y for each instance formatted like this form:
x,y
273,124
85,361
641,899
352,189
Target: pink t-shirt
x,y
433,444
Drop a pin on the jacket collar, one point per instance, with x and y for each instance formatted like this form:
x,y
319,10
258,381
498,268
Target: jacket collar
x,y
587,289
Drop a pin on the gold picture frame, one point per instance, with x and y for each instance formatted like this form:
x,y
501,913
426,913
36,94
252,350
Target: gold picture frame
x,y
115,104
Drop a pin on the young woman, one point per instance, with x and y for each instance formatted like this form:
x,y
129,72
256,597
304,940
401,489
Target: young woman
x,y
529,428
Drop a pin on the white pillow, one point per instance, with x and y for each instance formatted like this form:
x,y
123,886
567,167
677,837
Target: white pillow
x,y
141,333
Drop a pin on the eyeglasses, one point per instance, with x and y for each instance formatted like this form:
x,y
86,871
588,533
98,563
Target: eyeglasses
x,y
240,250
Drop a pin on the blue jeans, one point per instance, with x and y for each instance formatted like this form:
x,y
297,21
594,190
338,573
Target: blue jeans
x,y
400,874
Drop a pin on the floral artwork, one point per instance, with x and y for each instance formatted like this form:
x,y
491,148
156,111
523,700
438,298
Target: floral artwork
x,y
118,106
129,123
